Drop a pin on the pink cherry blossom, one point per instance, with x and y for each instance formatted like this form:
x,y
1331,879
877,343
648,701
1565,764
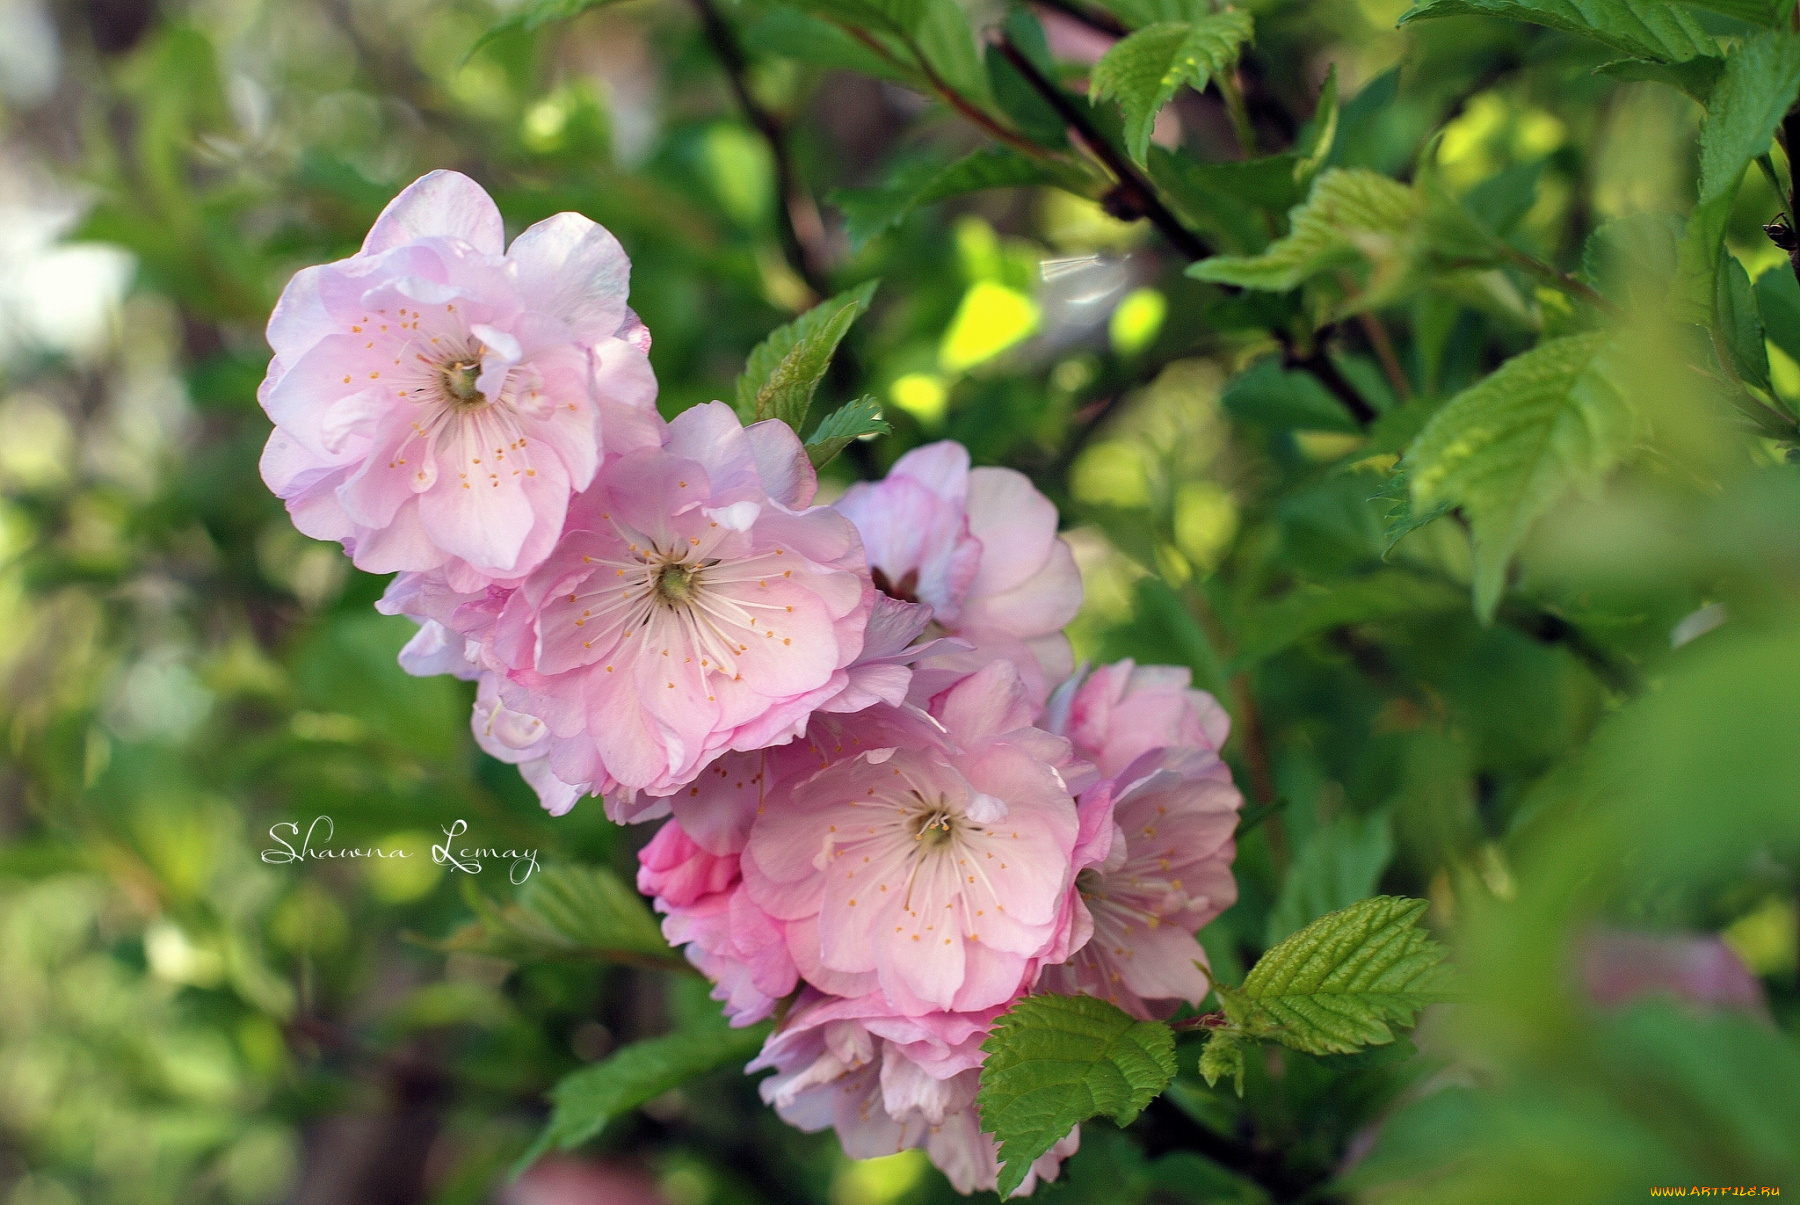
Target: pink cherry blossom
x,y
1162,873
723,933
437,396
887,1083
1121,711
695,605
980,548
937,873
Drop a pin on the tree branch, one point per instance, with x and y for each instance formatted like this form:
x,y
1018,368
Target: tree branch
x,y
795,210
1135,197
1096,19
1321,366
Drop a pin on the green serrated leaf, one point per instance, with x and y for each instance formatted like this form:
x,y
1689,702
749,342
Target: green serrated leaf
x,y
1401,520
1644,29
1778,300
784,370
1352,217
1142,72
1753,94
1547,422
584,1101
1740,324
1055,1061
1345,980
1223,1057
870,211
1340,864
849,422
566,911
1696,77
534,15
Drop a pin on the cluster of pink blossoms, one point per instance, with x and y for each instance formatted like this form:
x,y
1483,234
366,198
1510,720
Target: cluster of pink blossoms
x,y
878,806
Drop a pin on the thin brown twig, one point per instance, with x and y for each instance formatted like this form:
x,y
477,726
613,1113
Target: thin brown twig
x,y
1096,19
1135,196
1560,279
1384,352
1321,366
795,208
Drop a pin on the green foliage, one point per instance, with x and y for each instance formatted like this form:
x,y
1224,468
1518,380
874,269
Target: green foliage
x,y
534,15
566,911
184,1023
1344,981
1351,216
1647,29
839,429
1143,71
1757,87
1340,865
785,369
870,211
584,1101
1505,451
1055,1061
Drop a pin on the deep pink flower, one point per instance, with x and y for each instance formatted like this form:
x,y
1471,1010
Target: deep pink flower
x,y
936,874
695,605
437,396
1120,711
980,548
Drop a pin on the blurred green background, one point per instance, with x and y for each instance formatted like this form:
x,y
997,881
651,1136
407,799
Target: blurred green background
x,y
182,1023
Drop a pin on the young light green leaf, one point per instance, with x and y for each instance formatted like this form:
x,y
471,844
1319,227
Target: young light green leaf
x,y
783,371
1055,1061
1143,71
837,430
1223,1057
1754,92
1643,29
1341,983
566,911
1515,444
586,1100
1352,216
1341,864
870,211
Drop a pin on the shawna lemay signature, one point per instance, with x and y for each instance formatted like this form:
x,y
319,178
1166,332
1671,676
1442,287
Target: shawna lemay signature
x,y
522,863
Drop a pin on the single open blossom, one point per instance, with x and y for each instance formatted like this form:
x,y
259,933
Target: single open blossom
x,y
887,1083
695,605
979,546
437,396
935,875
